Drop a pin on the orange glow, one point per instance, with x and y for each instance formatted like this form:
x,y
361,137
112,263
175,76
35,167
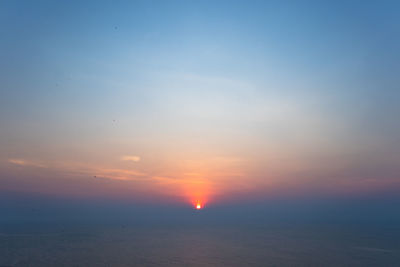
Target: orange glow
x,y
196,188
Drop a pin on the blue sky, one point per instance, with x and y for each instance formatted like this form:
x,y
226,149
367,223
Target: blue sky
x,y
216,99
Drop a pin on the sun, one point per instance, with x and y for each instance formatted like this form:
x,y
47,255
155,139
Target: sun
x,y
198,206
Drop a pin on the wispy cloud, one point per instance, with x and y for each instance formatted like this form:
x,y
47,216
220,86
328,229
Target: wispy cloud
x,y
120,174
76,168
24,162
130,158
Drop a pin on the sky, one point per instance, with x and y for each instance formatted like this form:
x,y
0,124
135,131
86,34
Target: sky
x,y
183,102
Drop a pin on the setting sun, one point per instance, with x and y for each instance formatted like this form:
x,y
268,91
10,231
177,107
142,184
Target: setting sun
x,y
198,206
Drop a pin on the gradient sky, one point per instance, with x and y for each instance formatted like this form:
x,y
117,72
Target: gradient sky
x,y
210,101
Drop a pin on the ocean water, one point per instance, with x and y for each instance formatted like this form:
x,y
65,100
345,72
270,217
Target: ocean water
x,y
159,243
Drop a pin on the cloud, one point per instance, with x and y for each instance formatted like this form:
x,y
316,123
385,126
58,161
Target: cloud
x,y
23,162
120,174
130,158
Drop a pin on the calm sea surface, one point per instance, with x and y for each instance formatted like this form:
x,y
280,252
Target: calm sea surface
x,y
186,244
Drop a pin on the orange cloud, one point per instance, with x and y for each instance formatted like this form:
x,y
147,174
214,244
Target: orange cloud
x,y
119,174
23,162
130,158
